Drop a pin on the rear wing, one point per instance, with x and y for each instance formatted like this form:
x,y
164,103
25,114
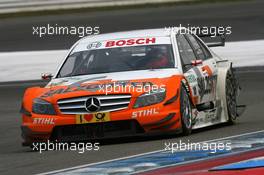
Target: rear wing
x,y
207,37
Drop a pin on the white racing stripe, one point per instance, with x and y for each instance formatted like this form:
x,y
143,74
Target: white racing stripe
x,y
16,66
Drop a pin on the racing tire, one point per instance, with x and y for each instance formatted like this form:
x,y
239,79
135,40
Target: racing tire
x,y
231,97
186,112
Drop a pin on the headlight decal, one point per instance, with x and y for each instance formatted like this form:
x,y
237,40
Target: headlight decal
x,y
150,98
41,106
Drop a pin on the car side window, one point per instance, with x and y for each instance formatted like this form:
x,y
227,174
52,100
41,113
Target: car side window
x,y
205,50
185,50
197,47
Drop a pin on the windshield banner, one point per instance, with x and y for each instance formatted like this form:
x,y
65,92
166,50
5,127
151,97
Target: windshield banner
x,y
127,42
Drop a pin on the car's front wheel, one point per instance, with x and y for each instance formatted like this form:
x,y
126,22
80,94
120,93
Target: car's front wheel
x,y
186,112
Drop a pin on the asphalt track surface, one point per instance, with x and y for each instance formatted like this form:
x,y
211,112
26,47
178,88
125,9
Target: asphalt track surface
x,y
246,18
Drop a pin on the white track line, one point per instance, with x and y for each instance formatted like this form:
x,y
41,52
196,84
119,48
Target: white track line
x,y
142,154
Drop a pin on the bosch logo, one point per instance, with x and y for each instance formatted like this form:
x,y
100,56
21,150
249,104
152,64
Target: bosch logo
x,y
92,104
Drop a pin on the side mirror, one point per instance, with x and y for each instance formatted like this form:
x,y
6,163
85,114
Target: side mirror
x,y
46,76
197,62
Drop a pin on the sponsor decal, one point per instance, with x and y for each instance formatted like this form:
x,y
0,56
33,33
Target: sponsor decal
x,y
144,113
207,71
92,118
206,85
94,45
206,118
209,82
44,121
124,42
191,78
130,42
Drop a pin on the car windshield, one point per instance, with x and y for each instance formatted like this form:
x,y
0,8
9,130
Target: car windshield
x,y
118,60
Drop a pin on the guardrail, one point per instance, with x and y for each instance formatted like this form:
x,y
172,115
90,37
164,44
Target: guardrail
x,y
15,6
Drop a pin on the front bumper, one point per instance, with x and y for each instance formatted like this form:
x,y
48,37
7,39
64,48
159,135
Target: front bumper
x,y
40,128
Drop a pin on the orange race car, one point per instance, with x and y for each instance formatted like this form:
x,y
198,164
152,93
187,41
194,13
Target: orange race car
x,y
129,83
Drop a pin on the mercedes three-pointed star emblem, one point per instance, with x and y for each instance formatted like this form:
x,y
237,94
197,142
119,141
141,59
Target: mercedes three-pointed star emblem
x,y
92,104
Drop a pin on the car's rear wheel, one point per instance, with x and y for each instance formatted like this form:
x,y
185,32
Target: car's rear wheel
x,y
231,97
186,112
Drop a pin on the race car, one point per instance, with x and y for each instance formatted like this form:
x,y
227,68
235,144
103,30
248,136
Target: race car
x,y
131,83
